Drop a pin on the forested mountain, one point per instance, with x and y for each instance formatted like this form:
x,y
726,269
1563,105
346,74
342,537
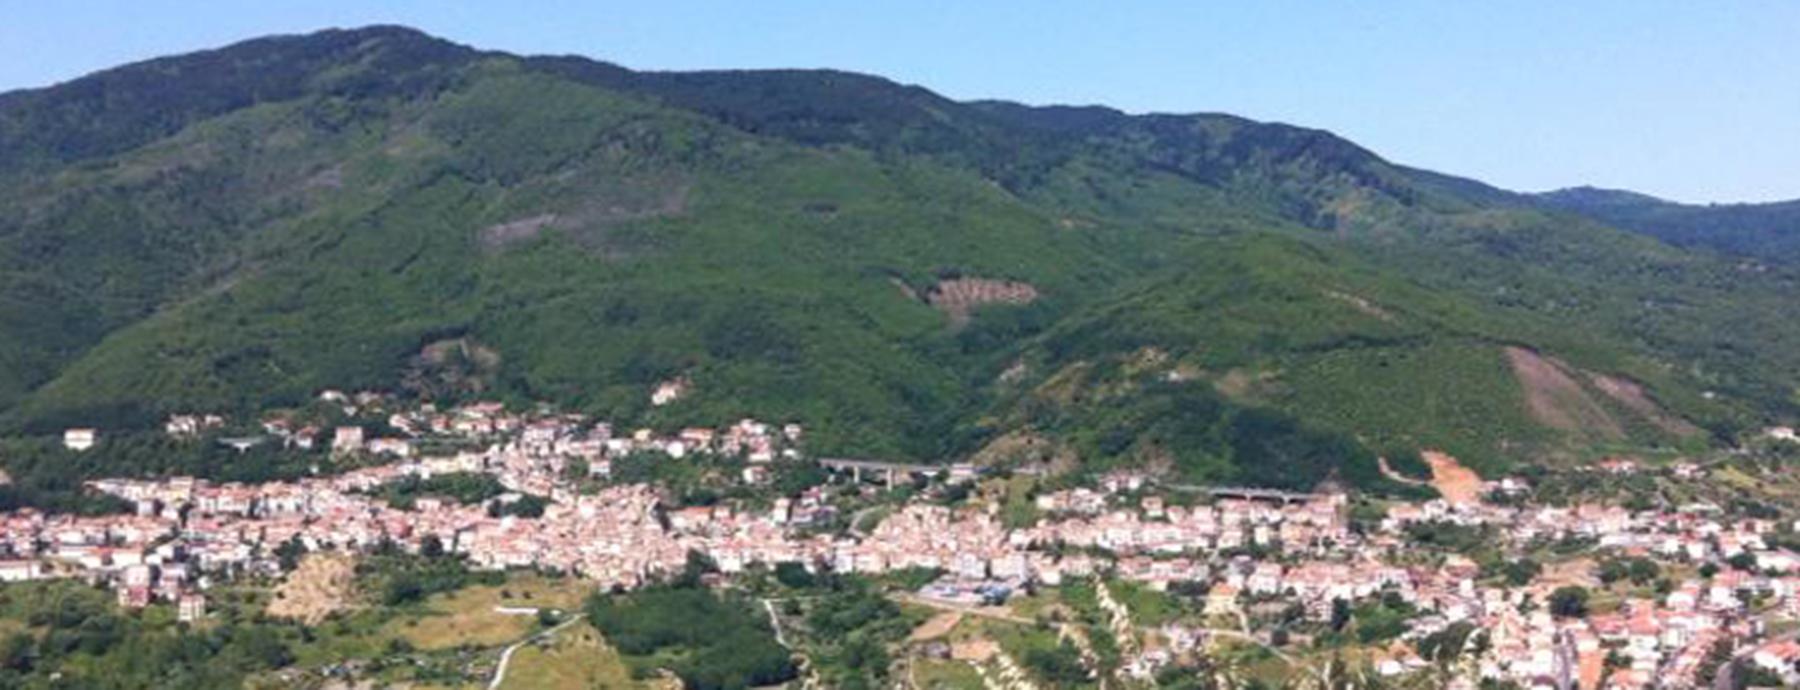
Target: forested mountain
x,y
911,276
1762,231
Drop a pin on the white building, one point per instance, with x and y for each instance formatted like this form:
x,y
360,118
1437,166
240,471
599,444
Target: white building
x,y
19,571
190,608
668,392
80,439
347,439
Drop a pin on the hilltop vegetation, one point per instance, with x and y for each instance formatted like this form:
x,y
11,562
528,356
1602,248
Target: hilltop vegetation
x,y
237,229
1763,231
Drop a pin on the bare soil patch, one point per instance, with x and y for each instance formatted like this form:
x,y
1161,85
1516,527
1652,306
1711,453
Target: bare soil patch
x,y
957,297
329,178
1459,485
1555,399
1578,572
1025,448
905,290
600,201
938,626
978,650
450,367
1243,384
323,584
1632,395
1363,305
515,231
1391,473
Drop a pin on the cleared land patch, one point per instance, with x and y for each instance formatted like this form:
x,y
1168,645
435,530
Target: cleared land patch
x,y
323,584
469,616
938,626
1457,484
1555,399
574,659
1362,304
957,297
502,234
1633,396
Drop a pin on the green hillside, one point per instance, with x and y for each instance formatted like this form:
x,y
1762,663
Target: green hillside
x,y
1234,300
1274,323
1769,231
663,245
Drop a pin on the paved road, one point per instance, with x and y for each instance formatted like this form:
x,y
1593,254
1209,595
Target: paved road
x,y
1388,471
981,611
775,622
506,655
1247,492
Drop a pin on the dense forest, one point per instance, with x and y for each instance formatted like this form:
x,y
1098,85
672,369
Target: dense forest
x,y
712,640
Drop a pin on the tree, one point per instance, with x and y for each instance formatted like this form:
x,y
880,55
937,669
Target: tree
x,y
1340,614
529,506
1643,571
288,553
1613,570
794,575
18,653
716,641
1060,665
1616,659
1522,571
1742,560
1749,675
698,566
431,547
1569,602
1445,646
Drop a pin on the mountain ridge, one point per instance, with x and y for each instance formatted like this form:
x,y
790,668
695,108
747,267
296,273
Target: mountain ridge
x,y
1767,231
767,233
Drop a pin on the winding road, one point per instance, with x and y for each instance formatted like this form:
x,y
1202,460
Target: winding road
x,y
506,654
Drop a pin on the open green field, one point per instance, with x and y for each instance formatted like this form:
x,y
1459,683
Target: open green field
x,y
468,616
937,674
574,659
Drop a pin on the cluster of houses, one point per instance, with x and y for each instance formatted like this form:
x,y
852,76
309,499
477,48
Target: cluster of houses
x,y
1662,640
1313,558
186,532
1243,553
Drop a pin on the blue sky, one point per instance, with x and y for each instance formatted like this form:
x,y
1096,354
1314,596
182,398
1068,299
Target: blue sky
x,y
1694,101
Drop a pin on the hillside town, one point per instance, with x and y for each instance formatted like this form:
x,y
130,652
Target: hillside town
x,y
1714,586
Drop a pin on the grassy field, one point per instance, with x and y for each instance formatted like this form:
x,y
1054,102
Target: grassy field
x,y
467,616
1017,509
1042,605
1147,606
575,658
935,674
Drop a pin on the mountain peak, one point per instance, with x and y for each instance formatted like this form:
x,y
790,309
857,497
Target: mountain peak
x,y
127,106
